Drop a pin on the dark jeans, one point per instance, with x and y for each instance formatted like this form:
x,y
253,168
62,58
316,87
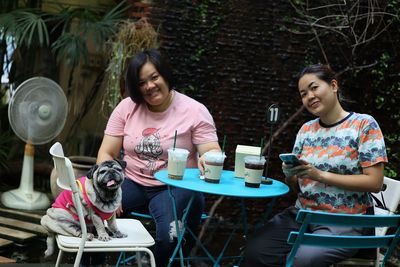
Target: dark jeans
x,y
158,203
269,247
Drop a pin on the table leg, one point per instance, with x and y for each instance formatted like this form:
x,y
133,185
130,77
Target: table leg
x,y
178,230
184,228
266,214
178,234
243,219
264,217
198,241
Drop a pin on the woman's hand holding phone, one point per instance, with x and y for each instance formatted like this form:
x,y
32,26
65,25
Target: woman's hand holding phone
x,y
290,159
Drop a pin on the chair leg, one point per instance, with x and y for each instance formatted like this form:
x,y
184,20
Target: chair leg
x,y
139,258
60,252
152,259
378,258
121,258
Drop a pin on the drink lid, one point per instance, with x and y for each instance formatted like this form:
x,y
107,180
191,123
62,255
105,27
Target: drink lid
x,y
215,156
254,160
178,153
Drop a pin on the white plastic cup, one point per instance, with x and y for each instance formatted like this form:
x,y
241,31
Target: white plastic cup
x,y
213,165
177,159
253,170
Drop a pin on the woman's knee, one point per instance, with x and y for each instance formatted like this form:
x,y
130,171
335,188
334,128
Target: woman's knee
x,y
308,256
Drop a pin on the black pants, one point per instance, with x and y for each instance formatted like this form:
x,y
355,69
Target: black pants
x,y
269,247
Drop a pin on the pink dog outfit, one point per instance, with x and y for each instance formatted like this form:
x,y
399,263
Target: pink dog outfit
x,y
64,201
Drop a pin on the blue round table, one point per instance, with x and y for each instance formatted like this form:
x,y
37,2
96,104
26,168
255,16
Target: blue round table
x,y
229,185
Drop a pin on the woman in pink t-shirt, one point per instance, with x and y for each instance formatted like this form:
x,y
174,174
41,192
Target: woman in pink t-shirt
x,y
143,127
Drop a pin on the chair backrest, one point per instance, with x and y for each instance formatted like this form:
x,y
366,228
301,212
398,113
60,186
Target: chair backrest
x,y
306,218
390,197
66,178
62,167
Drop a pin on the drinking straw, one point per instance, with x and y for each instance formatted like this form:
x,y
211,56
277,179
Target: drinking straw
x,y
175,139
261,146
223,145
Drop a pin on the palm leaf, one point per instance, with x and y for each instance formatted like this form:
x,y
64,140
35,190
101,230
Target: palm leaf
x,y
28,27
70,47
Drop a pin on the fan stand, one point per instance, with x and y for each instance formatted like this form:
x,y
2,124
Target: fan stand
x,y
25,197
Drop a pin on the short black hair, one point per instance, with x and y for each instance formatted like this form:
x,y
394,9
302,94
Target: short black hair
x,y
323,72
135,65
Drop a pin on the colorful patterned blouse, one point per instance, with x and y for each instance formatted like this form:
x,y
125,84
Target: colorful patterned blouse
x,y
346,147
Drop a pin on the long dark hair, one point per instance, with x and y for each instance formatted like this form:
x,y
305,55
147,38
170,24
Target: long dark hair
x,y
135,65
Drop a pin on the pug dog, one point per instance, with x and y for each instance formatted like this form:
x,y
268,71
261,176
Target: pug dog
x,y
100,193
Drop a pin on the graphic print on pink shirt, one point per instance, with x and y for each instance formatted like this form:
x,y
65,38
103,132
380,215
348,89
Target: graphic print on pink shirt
x,y
150,150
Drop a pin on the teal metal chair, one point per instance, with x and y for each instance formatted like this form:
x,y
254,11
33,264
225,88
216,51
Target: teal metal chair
x,y
305,217
386,202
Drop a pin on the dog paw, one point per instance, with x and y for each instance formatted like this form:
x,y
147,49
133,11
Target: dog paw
x,y
89,237
118,234
104,237
48,253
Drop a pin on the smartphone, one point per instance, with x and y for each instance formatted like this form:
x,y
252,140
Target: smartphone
x,y
290,159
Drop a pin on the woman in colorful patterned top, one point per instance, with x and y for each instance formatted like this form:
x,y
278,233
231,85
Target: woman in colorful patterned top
x,y
342,155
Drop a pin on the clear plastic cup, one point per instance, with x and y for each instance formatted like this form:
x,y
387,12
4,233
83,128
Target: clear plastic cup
x,y
213,165
177,159
253,170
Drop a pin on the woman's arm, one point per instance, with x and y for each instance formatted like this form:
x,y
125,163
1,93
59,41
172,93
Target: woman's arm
x,y
369,181
203,148
110,148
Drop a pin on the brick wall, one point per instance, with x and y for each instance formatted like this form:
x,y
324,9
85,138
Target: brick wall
x,y
236,57
231,56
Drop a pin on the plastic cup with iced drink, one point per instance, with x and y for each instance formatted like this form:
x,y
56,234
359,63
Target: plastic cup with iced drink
x,y
213,165
177,162
253,170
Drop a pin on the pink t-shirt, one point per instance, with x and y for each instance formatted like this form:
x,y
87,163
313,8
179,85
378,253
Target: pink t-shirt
x,y
148,135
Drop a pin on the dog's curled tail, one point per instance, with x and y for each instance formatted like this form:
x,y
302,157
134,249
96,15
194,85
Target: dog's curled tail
x,y
50,245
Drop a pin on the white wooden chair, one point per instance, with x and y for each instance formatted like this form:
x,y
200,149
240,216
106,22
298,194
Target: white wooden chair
x,y
138,238
389,199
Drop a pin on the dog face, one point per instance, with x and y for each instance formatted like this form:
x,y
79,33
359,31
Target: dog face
x,y
107,178
108,175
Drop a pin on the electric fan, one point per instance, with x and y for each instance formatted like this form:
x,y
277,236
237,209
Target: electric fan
x,y
37,112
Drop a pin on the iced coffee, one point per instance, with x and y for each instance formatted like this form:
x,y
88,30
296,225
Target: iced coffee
x,y
253,170
177,158
213,165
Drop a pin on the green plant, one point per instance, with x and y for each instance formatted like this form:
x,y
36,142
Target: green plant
x,y
132,37
69,28
386,75
68,33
